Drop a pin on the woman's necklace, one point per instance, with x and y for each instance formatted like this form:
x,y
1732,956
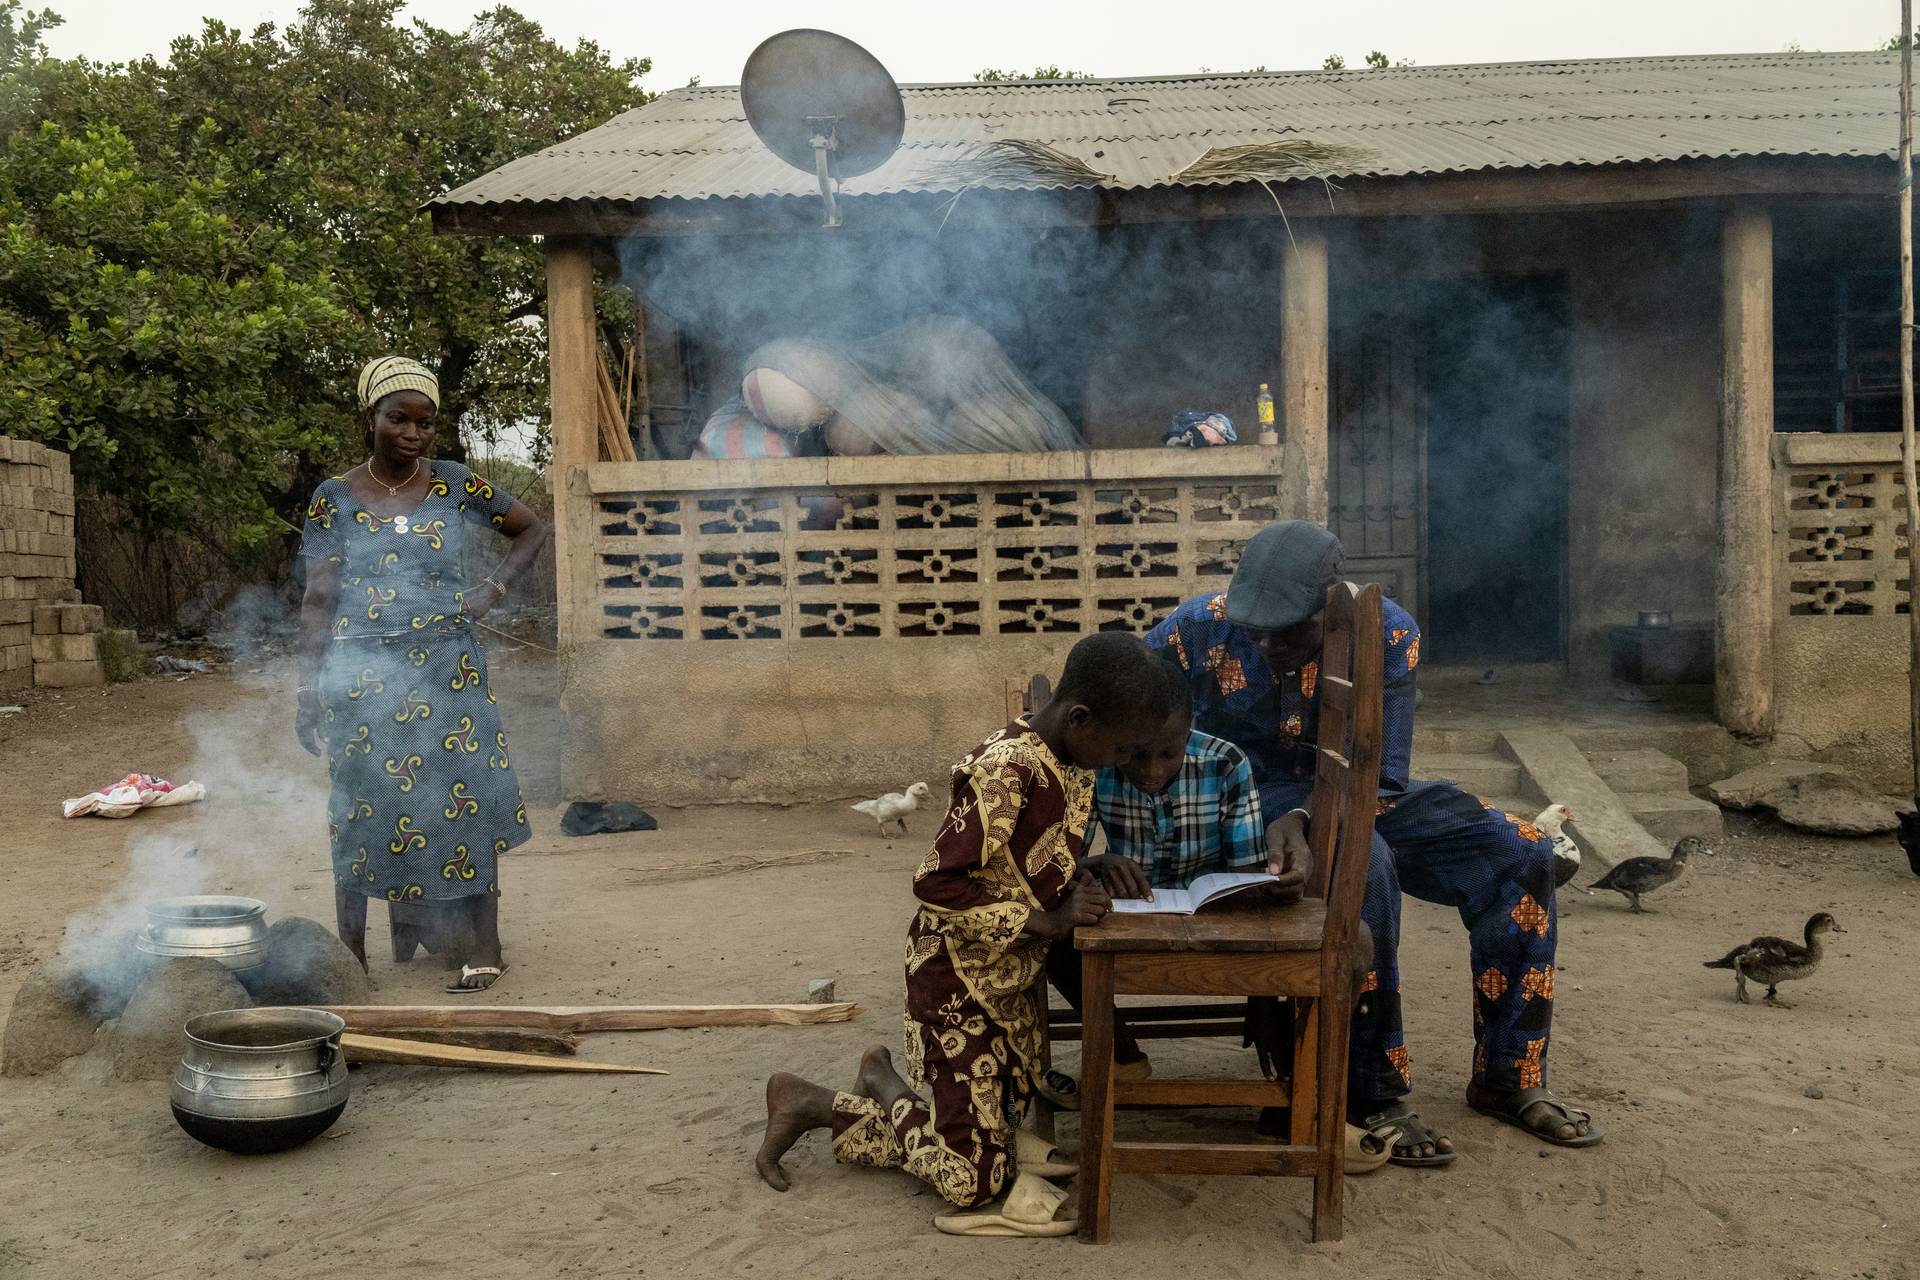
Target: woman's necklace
x,y
393,490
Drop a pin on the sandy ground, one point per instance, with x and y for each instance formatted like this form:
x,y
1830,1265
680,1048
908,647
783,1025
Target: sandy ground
x,y
1717,1163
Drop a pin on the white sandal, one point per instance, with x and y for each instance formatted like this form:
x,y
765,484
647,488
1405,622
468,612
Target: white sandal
x,y
1034,1154
1029,1210
458,987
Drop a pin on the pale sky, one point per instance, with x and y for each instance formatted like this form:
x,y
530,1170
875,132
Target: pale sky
x,y
936,41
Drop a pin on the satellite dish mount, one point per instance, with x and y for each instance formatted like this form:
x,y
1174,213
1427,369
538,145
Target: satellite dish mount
x,y
824,105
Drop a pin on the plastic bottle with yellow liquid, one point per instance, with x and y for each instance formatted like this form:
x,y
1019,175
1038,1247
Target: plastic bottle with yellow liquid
x,y
1263,409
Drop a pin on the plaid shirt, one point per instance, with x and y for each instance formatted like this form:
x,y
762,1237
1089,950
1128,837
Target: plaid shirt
x,y
1207,820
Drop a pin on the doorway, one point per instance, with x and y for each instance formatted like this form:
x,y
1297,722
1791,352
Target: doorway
x,y
1494,396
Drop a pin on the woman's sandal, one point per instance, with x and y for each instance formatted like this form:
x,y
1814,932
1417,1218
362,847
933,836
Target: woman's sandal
x,y
1513,1108
1409,1130
1033,1207
490,972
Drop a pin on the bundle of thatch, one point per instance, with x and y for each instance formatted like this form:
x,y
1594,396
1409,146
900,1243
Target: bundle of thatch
x,y
1014,161
1280,161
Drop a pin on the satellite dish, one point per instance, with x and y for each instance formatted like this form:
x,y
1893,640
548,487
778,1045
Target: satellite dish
x,y
823,104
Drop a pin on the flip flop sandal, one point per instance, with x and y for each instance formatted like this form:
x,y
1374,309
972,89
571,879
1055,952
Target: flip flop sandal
x,y
475,971
1409,1130
1515,1106
1034,1154
1032,1208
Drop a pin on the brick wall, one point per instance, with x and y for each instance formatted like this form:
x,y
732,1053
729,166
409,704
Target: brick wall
x,y
36,571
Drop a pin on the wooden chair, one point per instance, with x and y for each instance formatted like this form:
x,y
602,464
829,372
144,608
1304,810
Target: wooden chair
x,y
1305,952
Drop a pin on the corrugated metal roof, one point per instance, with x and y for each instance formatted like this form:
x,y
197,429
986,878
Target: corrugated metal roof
x,y
696,144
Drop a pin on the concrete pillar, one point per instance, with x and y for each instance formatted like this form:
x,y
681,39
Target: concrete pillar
x,y
573,355
1743,578
1303,371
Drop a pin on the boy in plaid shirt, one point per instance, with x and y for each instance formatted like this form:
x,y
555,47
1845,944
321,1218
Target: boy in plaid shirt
x,y
1184,807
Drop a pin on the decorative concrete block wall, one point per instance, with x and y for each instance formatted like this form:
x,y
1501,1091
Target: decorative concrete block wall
x,y
36,571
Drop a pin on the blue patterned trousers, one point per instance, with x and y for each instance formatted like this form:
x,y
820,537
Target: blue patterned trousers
x,y
1442,845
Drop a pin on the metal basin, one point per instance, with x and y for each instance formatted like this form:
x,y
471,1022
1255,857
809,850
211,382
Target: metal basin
x,y
258,1080
230,930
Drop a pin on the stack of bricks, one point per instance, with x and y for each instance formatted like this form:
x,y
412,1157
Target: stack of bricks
x,y
36,566
66,645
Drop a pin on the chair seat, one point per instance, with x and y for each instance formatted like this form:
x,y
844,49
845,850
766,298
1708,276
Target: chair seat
x,y
1224,927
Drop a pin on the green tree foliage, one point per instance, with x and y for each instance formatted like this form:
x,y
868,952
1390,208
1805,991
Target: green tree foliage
x,y
199,252
995,74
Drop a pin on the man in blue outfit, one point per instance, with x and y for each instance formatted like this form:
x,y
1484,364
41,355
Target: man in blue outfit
x,y
1251,659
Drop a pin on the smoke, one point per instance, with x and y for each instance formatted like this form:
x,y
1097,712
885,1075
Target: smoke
x,y
1119,326
261,831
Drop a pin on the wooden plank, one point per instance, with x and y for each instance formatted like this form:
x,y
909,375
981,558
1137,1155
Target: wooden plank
x,y
1201,1093
573,348
1303,373
509,1039
1743,577
418,1053
1198,974
586,1018
1240,1159
1096,1097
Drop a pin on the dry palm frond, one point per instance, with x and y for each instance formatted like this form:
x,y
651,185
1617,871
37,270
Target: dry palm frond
x,y
1283,161
1019,161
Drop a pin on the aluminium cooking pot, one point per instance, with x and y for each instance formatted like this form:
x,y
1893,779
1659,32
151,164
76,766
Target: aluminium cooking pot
x,y
259,1080
230,930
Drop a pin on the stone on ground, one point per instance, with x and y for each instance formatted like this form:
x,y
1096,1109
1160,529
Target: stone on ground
x,y
52,1019
306,965
1753,788
1812,797
147,1040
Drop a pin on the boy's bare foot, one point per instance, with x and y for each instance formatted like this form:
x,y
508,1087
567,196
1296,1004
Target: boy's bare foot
x,y
878,1080
794,1107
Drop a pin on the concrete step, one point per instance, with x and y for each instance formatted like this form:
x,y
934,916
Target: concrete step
x,y
1637,770
1603,825
1670,815
1483,775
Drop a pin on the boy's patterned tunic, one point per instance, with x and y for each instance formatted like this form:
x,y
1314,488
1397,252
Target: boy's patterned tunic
x,y
975,1013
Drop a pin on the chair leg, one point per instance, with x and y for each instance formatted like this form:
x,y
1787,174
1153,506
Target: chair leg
x,y
1303,1092
1096,1095
1330,1063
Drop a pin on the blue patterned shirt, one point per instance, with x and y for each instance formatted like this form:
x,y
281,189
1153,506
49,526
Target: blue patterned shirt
x,y
1273,717
1207,820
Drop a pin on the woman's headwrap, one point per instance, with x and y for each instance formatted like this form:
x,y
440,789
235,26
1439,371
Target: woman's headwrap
x,y
388,374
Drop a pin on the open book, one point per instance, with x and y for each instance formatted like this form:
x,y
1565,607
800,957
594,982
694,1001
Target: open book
x,y
1184,902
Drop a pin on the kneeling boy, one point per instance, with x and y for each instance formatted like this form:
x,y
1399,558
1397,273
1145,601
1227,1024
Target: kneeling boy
x,y
999,885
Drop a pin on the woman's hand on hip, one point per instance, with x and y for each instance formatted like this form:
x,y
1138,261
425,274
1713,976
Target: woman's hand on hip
x,y
478,604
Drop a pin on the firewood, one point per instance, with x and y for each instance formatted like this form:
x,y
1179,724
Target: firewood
x,y
510,1039
584,1018
418,1053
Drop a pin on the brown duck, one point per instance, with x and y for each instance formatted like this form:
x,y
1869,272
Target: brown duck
x,y
1637,876
1775,960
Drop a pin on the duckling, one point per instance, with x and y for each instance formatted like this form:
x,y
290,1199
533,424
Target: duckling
x,y
893,808
1776,960
1636,876
1566,854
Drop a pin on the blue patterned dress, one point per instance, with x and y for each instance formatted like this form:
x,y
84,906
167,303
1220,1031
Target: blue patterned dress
x,y
424,796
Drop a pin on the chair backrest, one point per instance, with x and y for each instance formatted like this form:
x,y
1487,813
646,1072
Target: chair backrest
x,y
1024,697
1346,779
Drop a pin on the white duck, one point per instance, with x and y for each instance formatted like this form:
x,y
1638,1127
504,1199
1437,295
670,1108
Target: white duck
x,y
894,807
1566,854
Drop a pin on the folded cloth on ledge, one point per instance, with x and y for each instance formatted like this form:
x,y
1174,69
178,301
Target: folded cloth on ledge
x,y
131,794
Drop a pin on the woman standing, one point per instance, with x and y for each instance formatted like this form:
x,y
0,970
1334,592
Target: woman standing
x,y
393,685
